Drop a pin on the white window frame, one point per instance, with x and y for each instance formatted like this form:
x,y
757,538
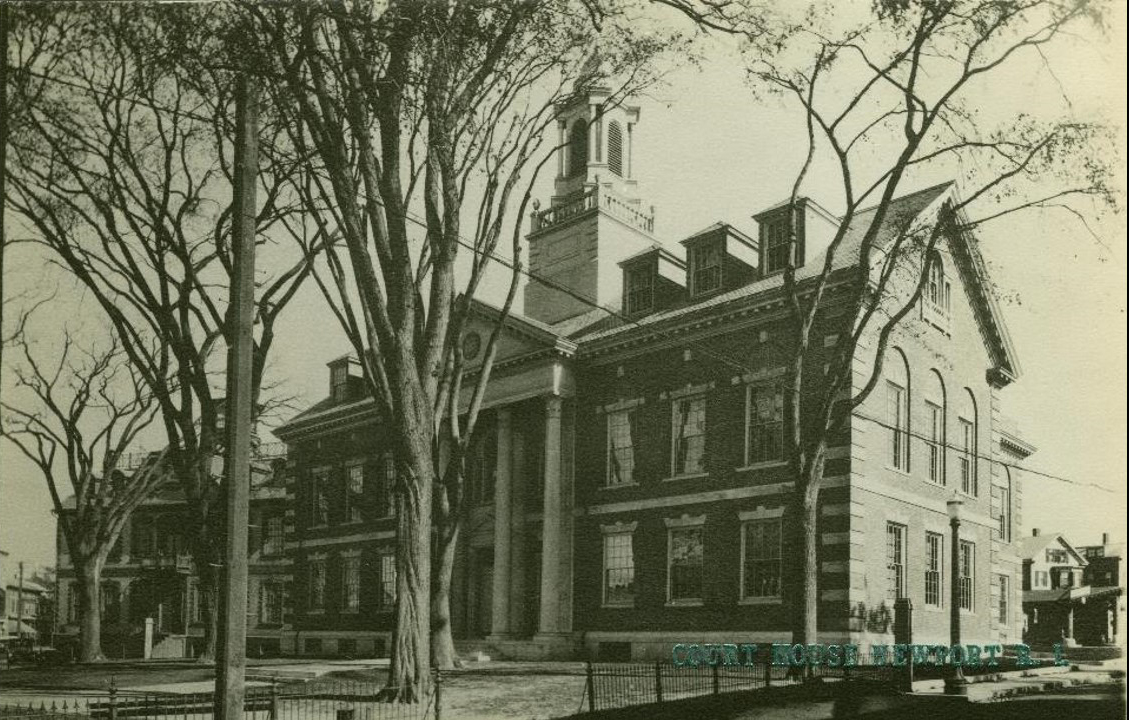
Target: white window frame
x,y
897,402
776,237
697,269
936,442
967,581
969,482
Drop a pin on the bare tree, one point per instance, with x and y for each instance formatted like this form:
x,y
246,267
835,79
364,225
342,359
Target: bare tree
x,y
900,95
121,168
424,104
75,414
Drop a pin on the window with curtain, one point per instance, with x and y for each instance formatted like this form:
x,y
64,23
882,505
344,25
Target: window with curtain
x,y
764,423
619,569
621,448
689,435
684,564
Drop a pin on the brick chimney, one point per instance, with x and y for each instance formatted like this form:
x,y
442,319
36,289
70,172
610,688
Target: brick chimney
x,y
1034,532
1105,538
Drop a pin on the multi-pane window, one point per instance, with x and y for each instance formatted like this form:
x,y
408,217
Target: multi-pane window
x,y
270,603
619,569
764,423
274,538
1057,555
934,562
938,291
777,244
1005,588
386,598
689,434
967,574
1005,509
705,268
895,561
684,563
339,383
897,416
761,567
354,492
351,583
936,442
315,584
968,484
621,448
319,497
639,293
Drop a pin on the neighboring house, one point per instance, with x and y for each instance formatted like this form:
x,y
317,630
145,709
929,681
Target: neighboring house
x,y
1062,603
628,484
21,610
150,573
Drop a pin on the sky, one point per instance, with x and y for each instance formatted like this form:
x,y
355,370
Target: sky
x,y
708,149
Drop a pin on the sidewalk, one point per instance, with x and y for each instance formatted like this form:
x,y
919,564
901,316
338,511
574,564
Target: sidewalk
x,y
1035,681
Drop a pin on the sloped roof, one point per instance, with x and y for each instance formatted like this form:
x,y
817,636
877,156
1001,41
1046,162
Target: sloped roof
x,y
901,210
1029,547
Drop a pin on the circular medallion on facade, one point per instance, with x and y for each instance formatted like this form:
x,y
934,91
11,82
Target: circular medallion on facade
x,y
472,343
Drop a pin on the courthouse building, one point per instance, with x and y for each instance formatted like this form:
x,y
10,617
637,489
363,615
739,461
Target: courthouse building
x,y
629,480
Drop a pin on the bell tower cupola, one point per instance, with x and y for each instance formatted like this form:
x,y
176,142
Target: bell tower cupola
x,y
595,219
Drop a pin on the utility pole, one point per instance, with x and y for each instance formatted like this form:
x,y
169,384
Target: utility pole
x,y
238,407
20,604
3,158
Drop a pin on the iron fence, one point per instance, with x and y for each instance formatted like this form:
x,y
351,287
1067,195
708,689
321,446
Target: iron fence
x,y
618,685
318,700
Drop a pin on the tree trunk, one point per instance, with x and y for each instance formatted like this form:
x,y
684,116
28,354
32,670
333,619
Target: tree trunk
x,y
90,610
409,674
807,627
207,558
443,653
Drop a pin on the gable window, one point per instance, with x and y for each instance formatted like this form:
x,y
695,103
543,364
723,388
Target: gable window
x,y
776,243
621,450
689,435
639,290
939,289
386,598
354,492
764,423
934,562
619,569
895,561
315,584
615,148
578,148
705,268
319,497
1003,607
351,583
684,564
967,574
761,559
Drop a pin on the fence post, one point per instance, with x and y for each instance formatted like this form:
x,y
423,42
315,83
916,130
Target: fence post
x,y
438,694
717,678
113,699
591,686
274,698
659,680
768,670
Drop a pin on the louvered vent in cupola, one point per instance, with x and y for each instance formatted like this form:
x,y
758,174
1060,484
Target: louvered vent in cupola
x,y
615,148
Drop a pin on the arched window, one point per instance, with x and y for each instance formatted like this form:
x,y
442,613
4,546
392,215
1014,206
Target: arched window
x,y
615,149
897,408
966,441
935,414
937,292
578,148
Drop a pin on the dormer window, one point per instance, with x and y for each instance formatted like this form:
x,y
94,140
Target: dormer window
x,y
339,383
776,257
639,289
705,268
